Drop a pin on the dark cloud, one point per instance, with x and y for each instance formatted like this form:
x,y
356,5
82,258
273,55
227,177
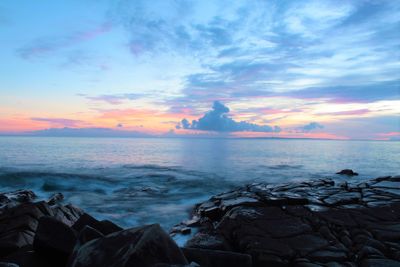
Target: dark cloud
x,y
217,120
310,127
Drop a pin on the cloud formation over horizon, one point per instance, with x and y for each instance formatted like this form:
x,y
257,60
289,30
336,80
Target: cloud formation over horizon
x,y
217,120
311,127
59,121
152,63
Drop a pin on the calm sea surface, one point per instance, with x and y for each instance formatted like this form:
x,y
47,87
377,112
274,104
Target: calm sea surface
x,y
140,181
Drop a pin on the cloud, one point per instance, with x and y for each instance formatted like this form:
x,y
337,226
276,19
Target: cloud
x,y
86,132
59,121
342,52
115,99
348,112
310,127
362,93
44,46
217,120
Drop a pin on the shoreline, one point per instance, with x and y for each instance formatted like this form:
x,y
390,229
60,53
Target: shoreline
x,y
313,223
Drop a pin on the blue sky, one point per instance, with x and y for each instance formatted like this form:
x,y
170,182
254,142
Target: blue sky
x,y
287,64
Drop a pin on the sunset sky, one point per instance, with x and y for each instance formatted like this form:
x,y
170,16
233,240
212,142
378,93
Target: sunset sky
x,y
315,69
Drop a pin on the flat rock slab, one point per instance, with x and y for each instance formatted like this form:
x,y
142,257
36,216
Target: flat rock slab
x,y
315,223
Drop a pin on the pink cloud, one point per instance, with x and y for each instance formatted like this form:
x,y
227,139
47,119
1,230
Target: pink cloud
x,y
59,121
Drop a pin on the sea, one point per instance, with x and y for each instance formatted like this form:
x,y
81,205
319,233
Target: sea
x,y
158,180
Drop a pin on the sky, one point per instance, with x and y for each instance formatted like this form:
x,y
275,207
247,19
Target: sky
x,y
297,69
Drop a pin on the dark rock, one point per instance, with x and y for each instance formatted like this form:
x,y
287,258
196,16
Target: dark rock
x,y
228,204
346,241
26,257
180,229
54,240
18,225
142,246
67,214
56,198
328,256
85,235
380,263
313,220
8,264
217,258
368,251
88,234
343,198
213,213
185,231
193,222
269,259
307,264
105,227
347,172
20,196
207,241
192,264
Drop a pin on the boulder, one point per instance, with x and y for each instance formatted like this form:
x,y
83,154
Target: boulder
x,y
54,240
18,225
142,246
380,263
8,264
88,234
217,258
67,214
105,227
26,257
348,172
56,198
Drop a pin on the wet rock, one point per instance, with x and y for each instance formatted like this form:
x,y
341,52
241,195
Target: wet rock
x,y
181,229
343,198
19,196
54,240
88,234
322,222
325,255
348,172
8,264
380,263
240,201
208,241
67,214
217,258
18,225
213,213
26,258
368,251
105,227
142,246
56,198
192,264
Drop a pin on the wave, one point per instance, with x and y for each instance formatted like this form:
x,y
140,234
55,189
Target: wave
x,y
129,194
285,167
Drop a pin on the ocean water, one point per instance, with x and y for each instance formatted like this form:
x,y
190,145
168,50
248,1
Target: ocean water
x,y
141,181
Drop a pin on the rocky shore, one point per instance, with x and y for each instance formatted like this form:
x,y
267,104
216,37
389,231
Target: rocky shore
x,y
314,223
